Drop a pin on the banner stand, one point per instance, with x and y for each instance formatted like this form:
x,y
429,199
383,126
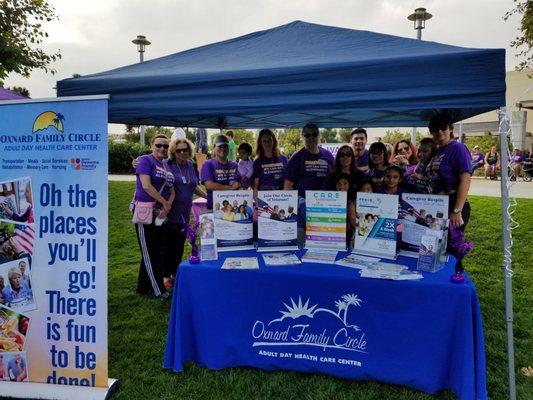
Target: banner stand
x,y
57,392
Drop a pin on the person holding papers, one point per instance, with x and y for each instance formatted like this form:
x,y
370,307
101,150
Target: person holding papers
x,y
269,165
392,179
416,178
377,163
307,169
450,169
343,185
220,173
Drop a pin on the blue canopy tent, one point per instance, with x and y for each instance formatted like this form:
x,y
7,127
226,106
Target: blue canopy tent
x,y
298,73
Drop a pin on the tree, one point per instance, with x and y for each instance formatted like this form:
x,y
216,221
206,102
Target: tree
x,y
523,42
20,90
290,141
21,27
345,135
134,136
243,135
394,136
484,142
329,135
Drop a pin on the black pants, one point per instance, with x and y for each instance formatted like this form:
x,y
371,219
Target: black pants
x,y
173,243
150,279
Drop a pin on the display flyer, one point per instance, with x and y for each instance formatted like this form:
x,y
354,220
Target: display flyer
x,y
377,219
208,242
326,213
418,214
277,220
53,241
233,214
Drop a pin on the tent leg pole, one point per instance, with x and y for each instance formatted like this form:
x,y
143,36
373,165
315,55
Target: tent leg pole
x,y
507,267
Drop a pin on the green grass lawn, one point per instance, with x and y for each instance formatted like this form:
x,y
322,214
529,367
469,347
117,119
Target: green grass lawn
x,y
138,325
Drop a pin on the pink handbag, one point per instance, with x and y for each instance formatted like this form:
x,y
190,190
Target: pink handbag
x,y
143,212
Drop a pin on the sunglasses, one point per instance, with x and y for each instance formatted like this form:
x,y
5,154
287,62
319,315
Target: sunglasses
x,y
308,135
345,155
185,150
159,145
400,149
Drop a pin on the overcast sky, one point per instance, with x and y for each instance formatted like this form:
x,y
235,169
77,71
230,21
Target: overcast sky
x,y
96,35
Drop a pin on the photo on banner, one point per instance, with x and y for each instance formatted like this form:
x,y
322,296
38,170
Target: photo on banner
x,y
53,241
13,330
376,223
277,220
233,215
420,213
326,216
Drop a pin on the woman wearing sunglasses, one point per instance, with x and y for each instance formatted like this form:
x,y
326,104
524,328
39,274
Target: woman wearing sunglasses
x,y
404,154
307,169
154,184
185,186
344,164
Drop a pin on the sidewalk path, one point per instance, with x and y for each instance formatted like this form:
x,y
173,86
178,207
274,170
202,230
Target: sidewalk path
x,y
478,187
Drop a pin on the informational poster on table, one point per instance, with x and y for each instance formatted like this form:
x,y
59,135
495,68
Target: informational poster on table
x,y
325,219
377,219
233,214
420,213
277,220
53,241
208,242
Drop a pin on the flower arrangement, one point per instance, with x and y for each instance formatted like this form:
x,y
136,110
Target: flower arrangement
x,y
190,232
459,249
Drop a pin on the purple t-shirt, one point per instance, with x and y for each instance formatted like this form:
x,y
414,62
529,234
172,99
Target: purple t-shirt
x,y
477,158
415,180
270,172
376,176
308,170
185,182
225,174
159,175
448,163
362,160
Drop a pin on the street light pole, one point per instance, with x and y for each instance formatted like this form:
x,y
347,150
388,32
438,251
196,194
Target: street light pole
x,y
419,18
141,43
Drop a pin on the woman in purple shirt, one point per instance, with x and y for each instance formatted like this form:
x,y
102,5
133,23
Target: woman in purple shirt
x,y
154,184
450,169
185,186
377,163
269,165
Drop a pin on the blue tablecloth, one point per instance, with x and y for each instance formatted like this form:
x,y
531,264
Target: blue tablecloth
x,y
424,334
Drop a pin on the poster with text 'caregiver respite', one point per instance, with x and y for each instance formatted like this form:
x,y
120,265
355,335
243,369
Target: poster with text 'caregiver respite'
x,y
233,214
420,213
53,241
326,213
376,222
277,220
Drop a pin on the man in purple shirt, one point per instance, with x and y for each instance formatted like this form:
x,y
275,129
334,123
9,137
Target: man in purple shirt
x,y
219,173
307,169
358,139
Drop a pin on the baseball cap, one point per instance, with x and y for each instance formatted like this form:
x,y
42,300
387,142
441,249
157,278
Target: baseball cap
x,y
221,140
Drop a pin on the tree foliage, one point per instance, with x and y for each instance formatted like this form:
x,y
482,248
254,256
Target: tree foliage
x,y
243,135
329,135
21,32
524,41
394,136
289,140
134,136
484,142
20,90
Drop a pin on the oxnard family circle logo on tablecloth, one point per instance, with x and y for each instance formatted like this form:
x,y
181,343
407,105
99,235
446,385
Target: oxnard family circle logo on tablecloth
x,y
304,325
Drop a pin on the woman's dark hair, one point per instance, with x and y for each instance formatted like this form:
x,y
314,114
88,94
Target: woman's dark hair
x,y
246,147
377,147
340,176
429,142
364,182
337,169
440,122
259,151
394,167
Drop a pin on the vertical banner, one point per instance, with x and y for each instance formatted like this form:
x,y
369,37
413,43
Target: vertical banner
x,y
277,220
326,215
53,241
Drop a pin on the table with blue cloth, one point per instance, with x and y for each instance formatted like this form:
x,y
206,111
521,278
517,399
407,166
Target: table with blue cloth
x,y
425,334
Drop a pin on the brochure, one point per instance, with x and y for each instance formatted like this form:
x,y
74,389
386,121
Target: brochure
x,y
208,242
429,259
403,275
240,263
357,261
326,213
377,219
277,220
274,259
232,210
420,213
320,256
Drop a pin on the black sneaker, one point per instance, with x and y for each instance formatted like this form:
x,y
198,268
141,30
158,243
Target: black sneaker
x,y
164,296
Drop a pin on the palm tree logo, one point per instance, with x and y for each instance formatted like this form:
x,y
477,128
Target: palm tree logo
x,y
58,122
298,309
